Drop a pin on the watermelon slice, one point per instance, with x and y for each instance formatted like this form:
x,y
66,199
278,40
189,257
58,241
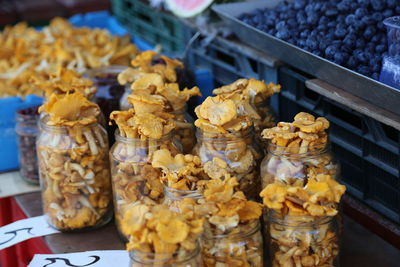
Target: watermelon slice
x,y
187,8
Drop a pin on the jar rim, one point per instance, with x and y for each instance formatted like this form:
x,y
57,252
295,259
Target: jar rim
x,y
168,256
130,140
256,226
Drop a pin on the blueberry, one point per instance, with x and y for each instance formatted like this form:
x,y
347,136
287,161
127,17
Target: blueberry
x,y
361,12
350,19
292,23
281,26
368,20
312,20
331,24
377,16
387,13
322,27
377,5
351,62
331,12
330,51
299,4
398,10
302,43
369,32
339,58
304,34
322,45
380,48
283,34
349,41
362,57
323,20
311,43
340,33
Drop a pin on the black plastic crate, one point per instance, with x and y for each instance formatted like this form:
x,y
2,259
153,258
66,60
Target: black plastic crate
x,y
228,61
153,25
368,150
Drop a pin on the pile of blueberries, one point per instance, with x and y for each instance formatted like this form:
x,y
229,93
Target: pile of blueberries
x,y
347,32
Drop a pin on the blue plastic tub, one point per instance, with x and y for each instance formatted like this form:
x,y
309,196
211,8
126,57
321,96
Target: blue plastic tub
x,y
8,137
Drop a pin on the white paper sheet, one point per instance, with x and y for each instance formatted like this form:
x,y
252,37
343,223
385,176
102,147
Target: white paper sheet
x,y
21,230
97,258
11,184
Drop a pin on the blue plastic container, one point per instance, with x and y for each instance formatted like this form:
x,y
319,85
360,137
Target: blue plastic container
x,y
8,137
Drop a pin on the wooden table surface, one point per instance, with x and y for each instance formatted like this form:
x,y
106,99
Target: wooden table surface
x,y
360,248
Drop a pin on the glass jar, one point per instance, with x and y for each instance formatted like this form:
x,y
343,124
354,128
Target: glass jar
x,y
27,132
185,130
181,259
239,150
75,176
303,240
244,247
173,197
292,166
123,102
134,179
109,92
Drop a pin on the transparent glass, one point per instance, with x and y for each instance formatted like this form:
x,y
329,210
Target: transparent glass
x,y
183,258
75,176
173,197
390,73
291,165
134,179
185,130
27,131
109,92
303,240
240,150
242,248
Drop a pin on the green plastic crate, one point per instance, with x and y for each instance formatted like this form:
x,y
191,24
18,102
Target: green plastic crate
x,y
154,26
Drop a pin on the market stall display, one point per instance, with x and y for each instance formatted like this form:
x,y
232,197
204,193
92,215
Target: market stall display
x,y
204,199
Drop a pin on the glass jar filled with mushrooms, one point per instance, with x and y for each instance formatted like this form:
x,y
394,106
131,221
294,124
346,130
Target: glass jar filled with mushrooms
x,y
301,193
134,179
72,150
225,131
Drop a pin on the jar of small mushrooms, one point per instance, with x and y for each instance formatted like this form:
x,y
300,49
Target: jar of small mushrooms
x,y
190,258
75,176
241,247
297,151
303,240
239,153
135,180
